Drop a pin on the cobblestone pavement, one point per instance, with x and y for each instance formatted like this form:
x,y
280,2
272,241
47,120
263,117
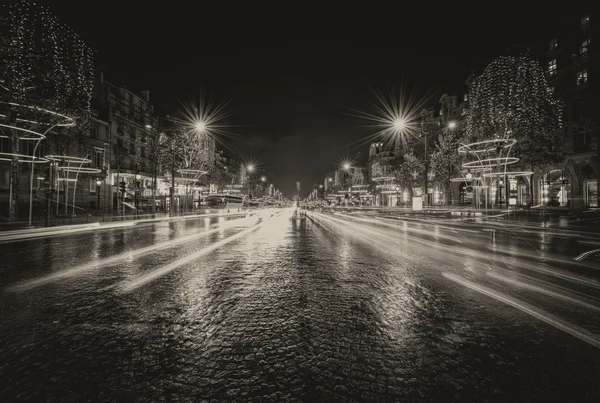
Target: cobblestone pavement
x,y
326,308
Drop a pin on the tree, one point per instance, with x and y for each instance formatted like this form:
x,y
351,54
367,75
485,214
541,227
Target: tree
x,y
512,99
358,177
45,69
445,160
409,171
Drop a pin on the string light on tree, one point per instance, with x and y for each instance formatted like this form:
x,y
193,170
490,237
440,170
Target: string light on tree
x,y
512,99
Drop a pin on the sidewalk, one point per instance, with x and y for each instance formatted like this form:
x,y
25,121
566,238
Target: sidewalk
x,y
37,232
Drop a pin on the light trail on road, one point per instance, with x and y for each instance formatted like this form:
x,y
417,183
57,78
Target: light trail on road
x,y
130,285
132,254
558,323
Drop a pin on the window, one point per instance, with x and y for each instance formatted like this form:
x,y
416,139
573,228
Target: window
x,y
582,77
120,127
585,22
552,67
5,145
553,44
99,159
584,47
93,186
4,178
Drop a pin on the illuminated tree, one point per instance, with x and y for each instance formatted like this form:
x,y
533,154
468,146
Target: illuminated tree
x,y
45,70
512,99
445,160
358,177
409,171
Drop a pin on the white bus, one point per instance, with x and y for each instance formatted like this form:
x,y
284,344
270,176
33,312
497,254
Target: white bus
x,y
227,203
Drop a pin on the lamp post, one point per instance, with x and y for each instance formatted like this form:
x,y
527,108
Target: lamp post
x,y
98,183
397,196
137,188
250,169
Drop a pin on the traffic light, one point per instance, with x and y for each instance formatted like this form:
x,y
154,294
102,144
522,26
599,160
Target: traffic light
x,y
123,187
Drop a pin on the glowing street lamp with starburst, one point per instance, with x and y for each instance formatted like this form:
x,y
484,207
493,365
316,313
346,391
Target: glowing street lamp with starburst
x,y
394,118
205,118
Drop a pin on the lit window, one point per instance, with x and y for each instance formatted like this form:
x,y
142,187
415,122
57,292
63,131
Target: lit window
x,y
585,22
553,44
584,47
582,77
552,67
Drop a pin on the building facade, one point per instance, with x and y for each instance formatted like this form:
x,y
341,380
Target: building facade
x,y
572,65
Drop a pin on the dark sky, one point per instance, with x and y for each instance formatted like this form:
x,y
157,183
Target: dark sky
x,y
297,67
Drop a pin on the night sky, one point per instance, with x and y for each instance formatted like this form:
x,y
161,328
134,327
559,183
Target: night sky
x,y
296,69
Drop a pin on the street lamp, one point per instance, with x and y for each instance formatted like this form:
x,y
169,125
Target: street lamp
x,y
137,186
200,126
346,166
98,183
397,195
399,124
452,124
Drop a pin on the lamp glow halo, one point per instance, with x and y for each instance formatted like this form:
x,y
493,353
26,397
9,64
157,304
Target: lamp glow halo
x,y
29,159
68,158
476,148
80,170
491,162
516,173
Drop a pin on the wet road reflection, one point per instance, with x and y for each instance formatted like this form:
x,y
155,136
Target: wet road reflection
x,y
327,308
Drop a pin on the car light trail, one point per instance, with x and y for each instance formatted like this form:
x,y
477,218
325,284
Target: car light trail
x,y
155,274
565,326
132,254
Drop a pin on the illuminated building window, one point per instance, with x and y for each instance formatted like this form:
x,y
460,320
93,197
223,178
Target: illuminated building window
x,y
584,47
552,67
585,22
582,77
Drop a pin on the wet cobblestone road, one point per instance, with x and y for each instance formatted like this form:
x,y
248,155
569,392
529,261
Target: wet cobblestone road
x,y
308,310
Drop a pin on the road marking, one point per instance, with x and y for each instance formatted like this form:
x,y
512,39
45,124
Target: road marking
x,y
556,322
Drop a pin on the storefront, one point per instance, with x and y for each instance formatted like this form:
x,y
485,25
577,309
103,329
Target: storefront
x,y
556,189
590,193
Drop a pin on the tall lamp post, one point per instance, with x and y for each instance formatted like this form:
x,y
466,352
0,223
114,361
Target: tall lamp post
x,y
98,183
137,189
250,169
